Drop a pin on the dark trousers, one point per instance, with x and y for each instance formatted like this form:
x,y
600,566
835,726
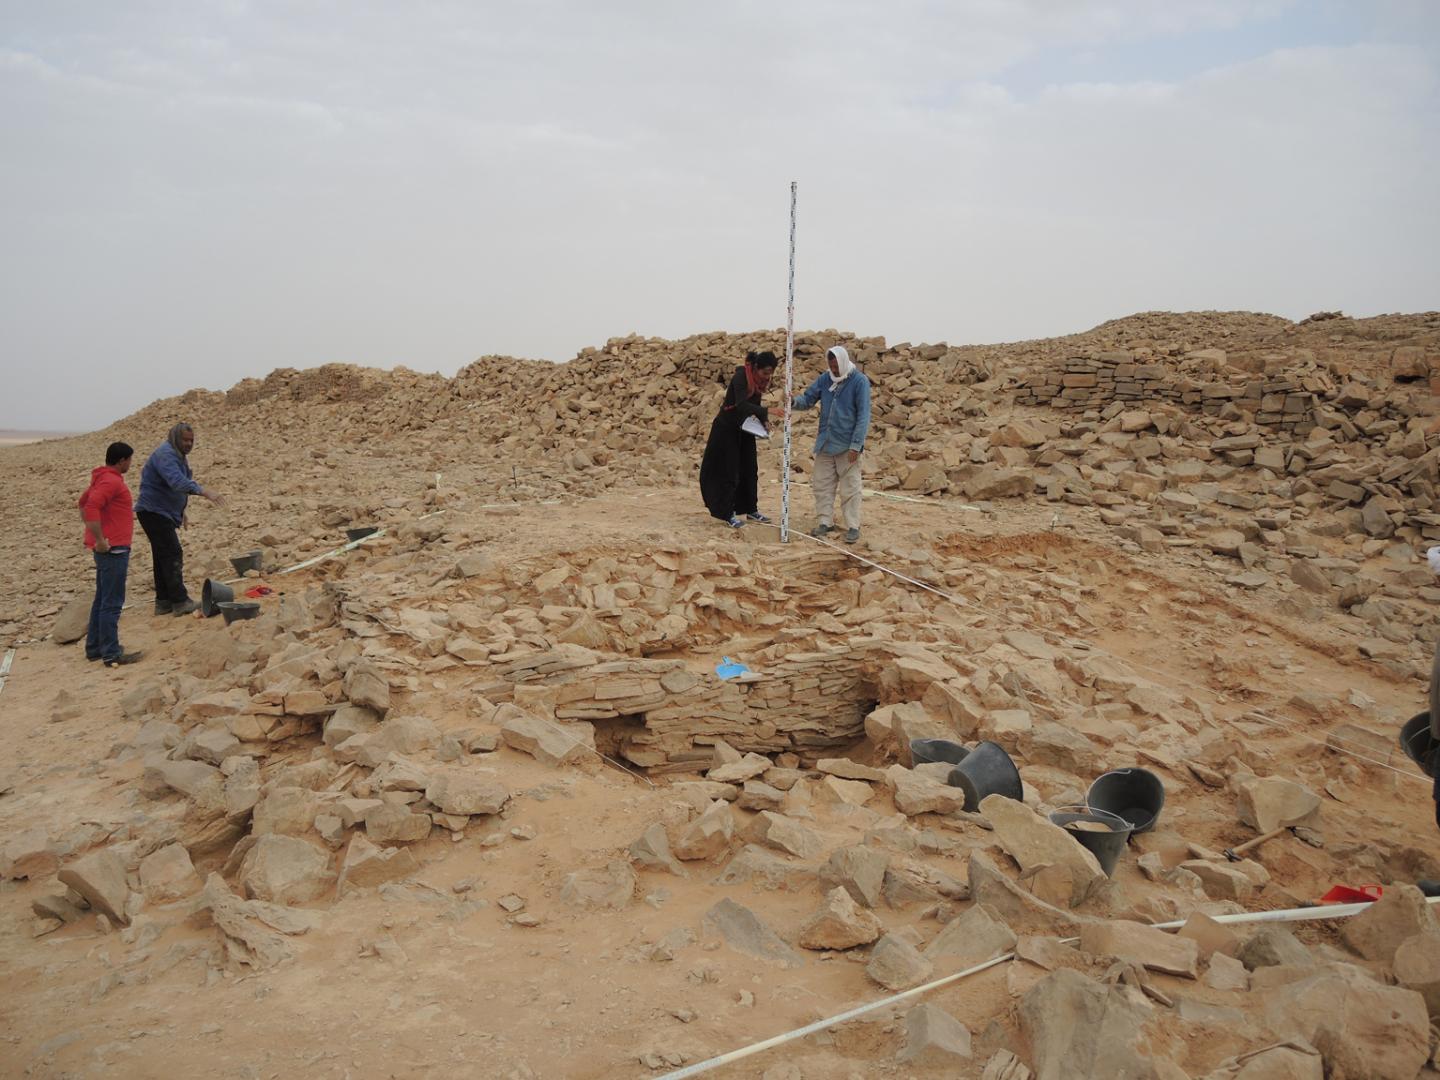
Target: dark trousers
x,y
167,556
102,640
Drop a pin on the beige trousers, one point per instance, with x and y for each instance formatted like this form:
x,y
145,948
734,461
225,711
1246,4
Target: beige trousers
x,y
837,474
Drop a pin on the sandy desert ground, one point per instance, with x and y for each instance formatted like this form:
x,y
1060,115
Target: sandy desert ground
x,y
469,798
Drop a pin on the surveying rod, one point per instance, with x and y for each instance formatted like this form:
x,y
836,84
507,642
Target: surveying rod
x,y
789,381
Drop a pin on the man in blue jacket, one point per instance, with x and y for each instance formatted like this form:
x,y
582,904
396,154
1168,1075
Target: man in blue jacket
x,y
844,396
166,485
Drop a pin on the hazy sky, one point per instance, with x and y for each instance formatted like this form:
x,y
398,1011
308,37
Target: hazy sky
x,y
199,191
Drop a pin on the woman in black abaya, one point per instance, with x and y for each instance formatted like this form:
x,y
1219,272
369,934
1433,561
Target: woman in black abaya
x,y
728,475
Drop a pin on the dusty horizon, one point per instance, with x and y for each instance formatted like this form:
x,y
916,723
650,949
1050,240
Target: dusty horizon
x,y
201,194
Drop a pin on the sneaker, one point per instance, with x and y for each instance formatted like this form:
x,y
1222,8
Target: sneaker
x,y
162,608
822,529
735,522
185,609
123,658
757,516
851,535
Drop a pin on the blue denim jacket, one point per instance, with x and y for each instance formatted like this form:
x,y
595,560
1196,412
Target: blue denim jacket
x,y
844,413
166,484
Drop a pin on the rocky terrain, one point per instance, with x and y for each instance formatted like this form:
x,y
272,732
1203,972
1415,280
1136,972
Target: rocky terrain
x,y
470,794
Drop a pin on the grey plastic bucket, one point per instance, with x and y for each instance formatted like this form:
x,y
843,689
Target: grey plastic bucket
x,y
1137,795
987,770
249,561
234,612
926,750
1418,743
1105,844
213,595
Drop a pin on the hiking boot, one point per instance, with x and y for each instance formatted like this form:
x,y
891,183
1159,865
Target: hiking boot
x,y
185,609
162,608
851,535
822,529
123,658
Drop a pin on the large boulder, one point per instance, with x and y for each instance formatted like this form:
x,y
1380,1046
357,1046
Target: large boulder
x,y
73,622
916,793
858,869
364,865
168,874
366,686
1035,843
386,824
100,878
1378,931
1364,1030
995,482
785,834
708,835
1267,803
285,870
466,792
934,1038
971,938
1141,944
1417,967
1081,1029
28,854
546,741
652,850
897,965
839,924
1022,910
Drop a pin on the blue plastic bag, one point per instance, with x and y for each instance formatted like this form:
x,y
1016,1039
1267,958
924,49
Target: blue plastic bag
x,y
730,669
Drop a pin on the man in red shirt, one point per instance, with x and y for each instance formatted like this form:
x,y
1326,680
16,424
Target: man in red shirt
x,y
109,527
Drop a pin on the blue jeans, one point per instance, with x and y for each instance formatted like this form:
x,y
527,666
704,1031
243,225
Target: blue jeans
x,y
102,642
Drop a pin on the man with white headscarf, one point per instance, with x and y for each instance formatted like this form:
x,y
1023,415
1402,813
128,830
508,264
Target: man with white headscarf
x,y
166,484
844,396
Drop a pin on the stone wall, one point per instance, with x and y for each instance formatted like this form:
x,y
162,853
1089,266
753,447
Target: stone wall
x,y
804,702
1094,382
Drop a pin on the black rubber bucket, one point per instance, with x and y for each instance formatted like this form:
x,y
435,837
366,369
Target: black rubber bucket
x,y
987,770
249,561
1105,842
235,612
213,595
1137,795
927,750
1419,745
362,532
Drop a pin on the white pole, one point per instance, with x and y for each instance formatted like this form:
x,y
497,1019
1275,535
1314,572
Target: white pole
x,y
789,381
1324,911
